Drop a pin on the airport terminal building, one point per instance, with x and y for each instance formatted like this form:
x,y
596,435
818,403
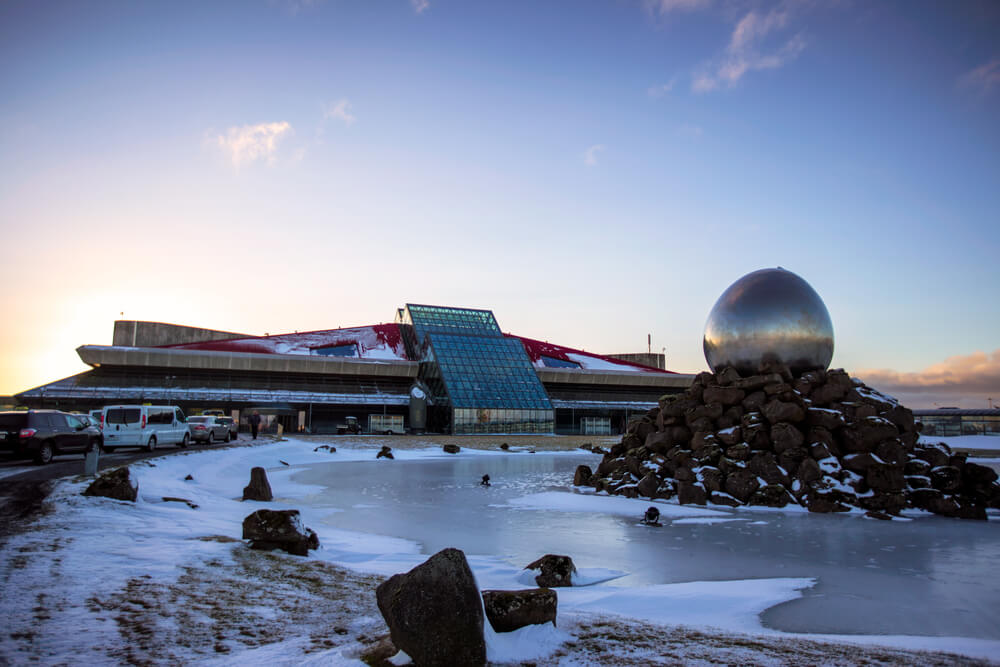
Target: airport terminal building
x,y
435,369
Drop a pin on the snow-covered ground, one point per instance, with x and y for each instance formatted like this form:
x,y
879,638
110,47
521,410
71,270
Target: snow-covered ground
x,y
106,582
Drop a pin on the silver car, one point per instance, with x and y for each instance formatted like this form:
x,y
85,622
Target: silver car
x,y
208,429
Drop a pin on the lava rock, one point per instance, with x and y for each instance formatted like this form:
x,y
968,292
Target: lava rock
x,y
554,570
510,610
116,484
435,612
258,488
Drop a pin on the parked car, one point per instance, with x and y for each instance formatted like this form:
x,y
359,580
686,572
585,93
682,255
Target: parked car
x,y
213,413
97,416
86,419
234,428
41,434
208,429
144,426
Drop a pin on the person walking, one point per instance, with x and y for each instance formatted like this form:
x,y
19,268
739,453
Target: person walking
x,y
254,423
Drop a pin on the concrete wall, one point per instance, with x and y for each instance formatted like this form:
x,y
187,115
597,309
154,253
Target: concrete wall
x,y
654,359
131,333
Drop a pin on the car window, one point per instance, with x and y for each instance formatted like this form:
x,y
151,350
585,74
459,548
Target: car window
x,y
72,422
56,422
123,415
179,415
12,422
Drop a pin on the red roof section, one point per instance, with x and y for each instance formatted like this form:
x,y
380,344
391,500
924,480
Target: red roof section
x,y
384,342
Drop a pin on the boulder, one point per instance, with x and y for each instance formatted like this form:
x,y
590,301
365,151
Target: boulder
x,y
116,484
785,436
582,476
648,485
258,488
724,395
385,453
509,610
451,449
741,485
691,493
279,529
779,411
553,571
435,612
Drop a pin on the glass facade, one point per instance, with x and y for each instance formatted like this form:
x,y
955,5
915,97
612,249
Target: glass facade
x,y
485,379
945,423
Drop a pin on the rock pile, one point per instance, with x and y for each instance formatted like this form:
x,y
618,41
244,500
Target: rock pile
x,y
821,440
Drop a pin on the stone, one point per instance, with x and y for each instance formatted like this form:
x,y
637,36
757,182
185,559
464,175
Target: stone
x,y
116,484
946,478
863,435
720,498
891,451
451,449
725,396
385,453
648,485
764,466
730,436
808,471
582,475
510,610
785,436
258,488
553,570
754,401
711,478
828,419
279,529
779,411
791,459
740,452
435,612
741,485
885,477
691,494
772,495
937,454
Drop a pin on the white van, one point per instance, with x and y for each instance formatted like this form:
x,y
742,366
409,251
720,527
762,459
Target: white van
x,y
144,426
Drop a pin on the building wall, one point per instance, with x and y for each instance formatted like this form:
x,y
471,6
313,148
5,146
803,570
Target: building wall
x,y
654,359
132,333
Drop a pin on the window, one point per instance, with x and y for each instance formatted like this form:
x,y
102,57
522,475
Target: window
x,y
342,350
123,416
552,362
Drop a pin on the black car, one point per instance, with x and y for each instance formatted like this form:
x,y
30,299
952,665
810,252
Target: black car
x,y
41,434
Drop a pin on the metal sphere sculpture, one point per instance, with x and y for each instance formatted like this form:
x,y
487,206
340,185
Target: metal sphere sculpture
x,y
766,317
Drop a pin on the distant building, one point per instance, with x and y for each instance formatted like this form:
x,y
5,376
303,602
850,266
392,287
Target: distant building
x,y
946,422
447,370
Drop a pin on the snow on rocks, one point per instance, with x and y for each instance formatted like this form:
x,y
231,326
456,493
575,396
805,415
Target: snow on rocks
x,y
822,440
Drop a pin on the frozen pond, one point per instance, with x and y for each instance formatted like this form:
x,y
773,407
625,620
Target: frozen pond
x,y
928,576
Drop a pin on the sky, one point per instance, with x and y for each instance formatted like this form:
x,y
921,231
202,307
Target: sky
x,y
593,172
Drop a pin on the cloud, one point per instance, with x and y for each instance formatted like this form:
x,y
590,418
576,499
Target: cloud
x,y
250,143
748,51
661,89
590,155
982,79
966,381
419,6
664,7
340,110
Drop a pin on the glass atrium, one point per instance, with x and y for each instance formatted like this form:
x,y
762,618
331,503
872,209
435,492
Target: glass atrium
x,y
483,379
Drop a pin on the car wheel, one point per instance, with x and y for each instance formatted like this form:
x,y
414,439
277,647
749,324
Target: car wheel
x,y
94,445
229,436
44,454
151,445
211,438
186,440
